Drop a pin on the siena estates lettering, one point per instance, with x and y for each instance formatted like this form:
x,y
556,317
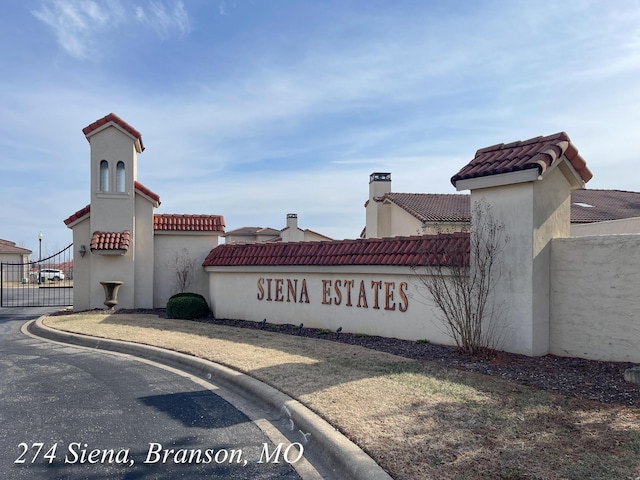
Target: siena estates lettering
x,y
376,294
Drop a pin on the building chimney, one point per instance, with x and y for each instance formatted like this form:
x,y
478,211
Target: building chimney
x,y
292,220
292,233
378,217
379,184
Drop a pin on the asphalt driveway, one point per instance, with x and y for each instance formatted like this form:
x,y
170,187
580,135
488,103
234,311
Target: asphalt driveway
x,y
67,412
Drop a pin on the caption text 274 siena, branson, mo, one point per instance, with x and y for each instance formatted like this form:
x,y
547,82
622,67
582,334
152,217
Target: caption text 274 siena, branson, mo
x,y
377,294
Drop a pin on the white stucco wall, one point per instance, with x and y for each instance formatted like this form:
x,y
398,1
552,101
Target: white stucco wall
x,y
595,297
166,245
256,293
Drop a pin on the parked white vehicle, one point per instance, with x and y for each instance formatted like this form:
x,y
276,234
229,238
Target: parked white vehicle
x,y
51,274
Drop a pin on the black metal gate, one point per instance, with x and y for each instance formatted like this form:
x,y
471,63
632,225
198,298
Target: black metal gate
x,y
44,283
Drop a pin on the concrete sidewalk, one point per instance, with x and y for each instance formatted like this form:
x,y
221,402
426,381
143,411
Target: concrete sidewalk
x,y
345,458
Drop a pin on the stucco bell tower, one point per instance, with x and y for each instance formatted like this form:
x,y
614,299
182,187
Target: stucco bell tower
x,y
120,227
114,161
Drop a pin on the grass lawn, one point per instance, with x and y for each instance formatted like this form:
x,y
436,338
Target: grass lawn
x,y
416,419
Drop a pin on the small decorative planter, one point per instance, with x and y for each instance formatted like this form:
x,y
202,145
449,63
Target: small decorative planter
x,y
111,293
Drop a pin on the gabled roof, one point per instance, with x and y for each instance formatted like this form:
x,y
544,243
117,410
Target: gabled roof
x,y
252,231
432,207
306,230
10,247
141,189
188,223
110,241
536,153
425,250
113,119
587,206
77,215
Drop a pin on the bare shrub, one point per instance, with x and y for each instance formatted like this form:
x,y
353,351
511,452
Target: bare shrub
x,y
183,267
462,285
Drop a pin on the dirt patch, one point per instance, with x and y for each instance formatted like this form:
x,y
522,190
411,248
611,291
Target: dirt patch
x,y
417,418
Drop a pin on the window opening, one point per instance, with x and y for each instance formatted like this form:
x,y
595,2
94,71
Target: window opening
x,y
104,176
120,177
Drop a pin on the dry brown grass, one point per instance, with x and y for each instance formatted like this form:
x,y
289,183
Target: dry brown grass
x,y
416,419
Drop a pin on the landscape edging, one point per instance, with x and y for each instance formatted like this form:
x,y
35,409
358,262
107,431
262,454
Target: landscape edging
x,y
349,460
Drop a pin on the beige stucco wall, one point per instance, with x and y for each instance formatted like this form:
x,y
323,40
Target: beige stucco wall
x,y
532,213
392,221
143,253
112,211
612,227
15,274
402,222
238,292
310,236
106,268
166,245
444,227
595,297
82,267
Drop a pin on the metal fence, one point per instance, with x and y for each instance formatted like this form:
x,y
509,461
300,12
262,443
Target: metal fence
x,y
43,283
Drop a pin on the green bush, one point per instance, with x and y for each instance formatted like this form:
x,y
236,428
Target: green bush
x,y
187,306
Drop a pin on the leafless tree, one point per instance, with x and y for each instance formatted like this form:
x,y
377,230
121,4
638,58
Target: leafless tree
x,y
462,285
183,268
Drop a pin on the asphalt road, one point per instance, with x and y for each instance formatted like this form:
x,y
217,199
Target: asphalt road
x,y
72,413
51,293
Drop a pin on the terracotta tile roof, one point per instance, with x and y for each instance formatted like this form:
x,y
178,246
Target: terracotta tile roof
x,y
188,223
539,152
605,205
79,214
144,190
112,117
10,247
588,206
110,241
433,207
424,250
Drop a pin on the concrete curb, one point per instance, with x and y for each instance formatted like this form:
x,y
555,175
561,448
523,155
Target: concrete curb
x,y
345,457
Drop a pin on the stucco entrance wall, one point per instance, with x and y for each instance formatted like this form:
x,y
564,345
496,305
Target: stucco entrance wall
x,y
595,297
374,300
82,267
168,245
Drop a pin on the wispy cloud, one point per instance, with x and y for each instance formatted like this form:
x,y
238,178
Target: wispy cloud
x,y
78,24
165,20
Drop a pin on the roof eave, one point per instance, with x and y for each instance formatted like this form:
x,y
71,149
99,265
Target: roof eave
x,y
113,252
501,179
137,141
570,173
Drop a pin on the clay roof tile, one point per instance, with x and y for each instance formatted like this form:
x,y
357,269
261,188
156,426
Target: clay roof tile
x,y
188,223
538,152
401,251
112,117
110,241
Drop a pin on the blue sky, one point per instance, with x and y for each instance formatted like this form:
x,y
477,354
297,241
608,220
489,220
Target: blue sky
x,y
256,109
